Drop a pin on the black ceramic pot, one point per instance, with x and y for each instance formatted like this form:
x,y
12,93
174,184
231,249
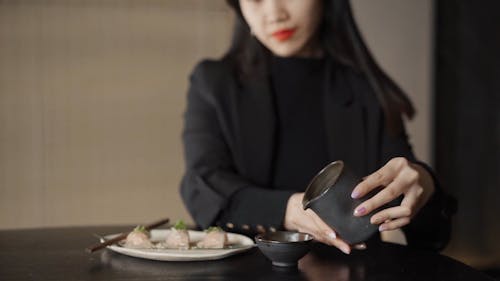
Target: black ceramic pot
x,y
329,196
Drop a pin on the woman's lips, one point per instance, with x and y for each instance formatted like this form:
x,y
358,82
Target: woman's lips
x,y
284,34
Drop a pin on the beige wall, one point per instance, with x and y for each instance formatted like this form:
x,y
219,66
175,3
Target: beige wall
x,y
92,94
91,98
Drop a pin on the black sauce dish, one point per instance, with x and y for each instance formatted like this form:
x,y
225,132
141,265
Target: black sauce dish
x,y
284,248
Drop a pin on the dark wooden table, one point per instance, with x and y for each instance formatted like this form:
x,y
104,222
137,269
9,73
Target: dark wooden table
x,y
58,254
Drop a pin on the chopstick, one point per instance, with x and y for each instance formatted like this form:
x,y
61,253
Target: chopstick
x,y
122,236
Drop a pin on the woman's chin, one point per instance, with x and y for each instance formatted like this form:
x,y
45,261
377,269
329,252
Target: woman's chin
x,y
289,50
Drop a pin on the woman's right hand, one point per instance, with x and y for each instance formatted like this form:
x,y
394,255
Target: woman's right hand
x,y
298,219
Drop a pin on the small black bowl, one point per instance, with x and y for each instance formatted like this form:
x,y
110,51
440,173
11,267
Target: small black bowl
x,y
284,248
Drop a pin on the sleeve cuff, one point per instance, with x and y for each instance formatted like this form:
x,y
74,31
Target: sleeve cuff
x,y
253,210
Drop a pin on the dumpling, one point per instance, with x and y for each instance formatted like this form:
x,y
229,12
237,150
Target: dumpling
x,y
138,238
178,237
215,238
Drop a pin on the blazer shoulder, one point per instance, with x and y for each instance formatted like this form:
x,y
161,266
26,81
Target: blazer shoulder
x,y
212,80
210,72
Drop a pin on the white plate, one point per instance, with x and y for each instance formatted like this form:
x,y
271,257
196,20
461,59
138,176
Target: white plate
x,y
238,243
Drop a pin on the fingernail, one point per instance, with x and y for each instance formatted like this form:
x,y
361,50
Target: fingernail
x,y
332,235
360,211
345,249
355,194
361,246
382,228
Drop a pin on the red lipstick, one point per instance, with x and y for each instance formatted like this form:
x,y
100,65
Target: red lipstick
x,y
284,34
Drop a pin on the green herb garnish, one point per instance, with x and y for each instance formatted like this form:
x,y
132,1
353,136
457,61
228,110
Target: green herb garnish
x,y
213,228
140,228
180,225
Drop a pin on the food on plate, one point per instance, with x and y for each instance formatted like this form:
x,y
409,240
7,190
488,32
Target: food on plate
x,y
138,238
215,238
178,237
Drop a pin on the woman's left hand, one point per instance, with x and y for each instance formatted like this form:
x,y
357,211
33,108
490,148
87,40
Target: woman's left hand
x,y
397,177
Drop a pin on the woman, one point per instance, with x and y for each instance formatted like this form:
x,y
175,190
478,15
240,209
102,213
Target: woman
x,y
297,90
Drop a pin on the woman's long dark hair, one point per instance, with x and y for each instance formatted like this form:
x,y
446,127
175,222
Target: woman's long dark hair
x,y
341,39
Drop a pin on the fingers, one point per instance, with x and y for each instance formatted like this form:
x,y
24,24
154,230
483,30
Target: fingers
x,y
405,210
396,217
381,177
325,234
390,214
341,245
398,177
401,184
393,224
307,221
412,197
309,225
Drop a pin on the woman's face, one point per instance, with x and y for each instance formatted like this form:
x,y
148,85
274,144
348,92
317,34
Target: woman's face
x,y
286,27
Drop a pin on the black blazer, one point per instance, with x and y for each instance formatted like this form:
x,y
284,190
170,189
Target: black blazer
x,y
229,137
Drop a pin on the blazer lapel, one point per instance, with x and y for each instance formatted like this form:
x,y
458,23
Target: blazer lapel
x,y
256,129
345,124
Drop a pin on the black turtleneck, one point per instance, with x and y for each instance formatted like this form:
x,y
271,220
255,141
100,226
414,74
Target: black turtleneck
x,y
301,151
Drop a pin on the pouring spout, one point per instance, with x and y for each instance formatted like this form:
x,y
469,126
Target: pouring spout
x,y
306,204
